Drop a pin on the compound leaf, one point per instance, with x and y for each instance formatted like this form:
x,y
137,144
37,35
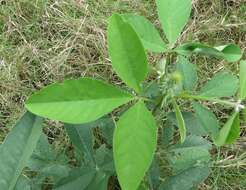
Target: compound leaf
x,y
17,149
173,14
242,80
221,85
188,72
147,32
126,52
134,144
230,53
180,121
77,101
207,119
230,132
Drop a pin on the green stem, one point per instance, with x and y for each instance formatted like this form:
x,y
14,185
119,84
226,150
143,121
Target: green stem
x,y
216,100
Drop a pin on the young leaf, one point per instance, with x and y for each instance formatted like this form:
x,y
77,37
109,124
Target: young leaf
x,y
186,180
126,52
230,132
173,14
242,80
147,32
134,144
230,53
221,85
77,101
17,149
207,119
180,121
188,72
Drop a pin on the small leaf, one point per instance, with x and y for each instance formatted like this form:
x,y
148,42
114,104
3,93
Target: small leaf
x,y
221,85
147,32
230,53
188,72
186,180
180,121
173,14
77,101
242,80
134,144
207,119
17,149
230,132
126,52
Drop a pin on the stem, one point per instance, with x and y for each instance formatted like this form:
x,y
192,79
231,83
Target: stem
x,y
216,100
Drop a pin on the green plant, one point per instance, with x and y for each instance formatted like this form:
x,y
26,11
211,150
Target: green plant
x,y
79,103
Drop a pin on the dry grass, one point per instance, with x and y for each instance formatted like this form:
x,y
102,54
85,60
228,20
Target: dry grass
x,y
44,41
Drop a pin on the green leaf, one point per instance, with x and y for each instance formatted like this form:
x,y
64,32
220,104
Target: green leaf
x,y
107,127
230,132
77,101
230,53
191,123
207,119
99,182
154,174
186,180
17,149
82,138
221,85
78,179
242,80
126,52
147,32
44,156
194,141
180,121
188,72
23,183
173,14
134,144
193,152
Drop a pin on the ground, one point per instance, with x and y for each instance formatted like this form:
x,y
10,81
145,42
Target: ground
x,y
45,41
